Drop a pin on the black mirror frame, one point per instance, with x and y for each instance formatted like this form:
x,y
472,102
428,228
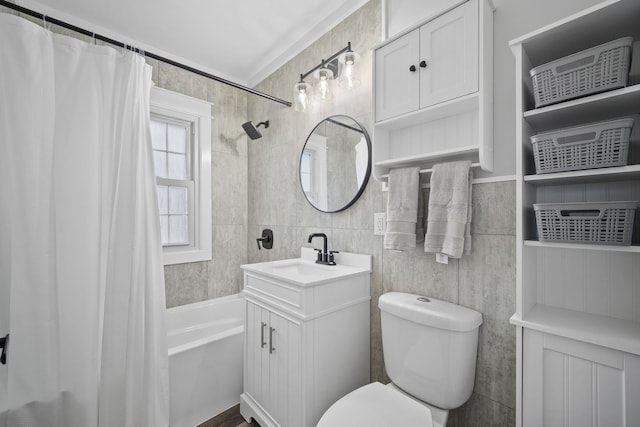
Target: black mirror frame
x,y
365,181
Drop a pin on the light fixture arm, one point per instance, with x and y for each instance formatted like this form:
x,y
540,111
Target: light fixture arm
x,y
324,63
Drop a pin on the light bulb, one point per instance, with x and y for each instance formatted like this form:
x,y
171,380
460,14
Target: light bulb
x,y
301,95
324,76
349,77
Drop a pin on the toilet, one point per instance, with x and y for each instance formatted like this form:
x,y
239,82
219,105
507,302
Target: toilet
x,y
430,349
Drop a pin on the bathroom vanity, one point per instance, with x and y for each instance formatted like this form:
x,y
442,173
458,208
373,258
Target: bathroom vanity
x,y
307,336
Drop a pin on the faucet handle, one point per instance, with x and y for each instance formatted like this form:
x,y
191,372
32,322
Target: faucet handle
x,y
331,260
319,256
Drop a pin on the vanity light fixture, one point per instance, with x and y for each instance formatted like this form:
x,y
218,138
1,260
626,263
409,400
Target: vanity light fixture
x,y
342,65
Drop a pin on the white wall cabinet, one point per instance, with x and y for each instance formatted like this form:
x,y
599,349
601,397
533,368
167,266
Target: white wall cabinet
x,y
433,91
577,305
431,64
306,342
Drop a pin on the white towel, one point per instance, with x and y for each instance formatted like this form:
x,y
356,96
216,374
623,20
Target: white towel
x,y
402,209
449,216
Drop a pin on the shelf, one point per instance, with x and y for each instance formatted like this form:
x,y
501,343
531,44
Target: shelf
x,y
620,173
461,152
434,112
602,106
618,334
585,246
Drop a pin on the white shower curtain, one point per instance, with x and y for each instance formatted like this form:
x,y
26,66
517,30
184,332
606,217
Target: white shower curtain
x,y
80,251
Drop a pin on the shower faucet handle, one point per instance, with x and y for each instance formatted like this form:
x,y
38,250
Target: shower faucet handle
x,y
266,239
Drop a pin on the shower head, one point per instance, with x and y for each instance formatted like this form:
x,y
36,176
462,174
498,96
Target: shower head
x,y
253,131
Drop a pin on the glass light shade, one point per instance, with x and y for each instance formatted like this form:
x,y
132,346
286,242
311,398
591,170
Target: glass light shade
x,y
301,96
349,77
324,76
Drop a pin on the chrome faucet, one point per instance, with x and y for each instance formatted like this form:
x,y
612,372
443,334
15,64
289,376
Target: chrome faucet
x,y
324,257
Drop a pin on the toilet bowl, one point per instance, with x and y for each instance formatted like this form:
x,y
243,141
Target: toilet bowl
x,y
430,349
377,405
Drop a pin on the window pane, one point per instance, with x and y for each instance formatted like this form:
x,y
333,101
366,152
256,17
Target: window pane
x,y
160,163
305,180
177,166
163,199
178,229
177,139
178,200
164,229
159,135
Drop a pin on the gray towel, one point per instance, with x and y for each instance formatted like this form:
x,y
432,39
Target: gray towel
x,y
402,209
449,216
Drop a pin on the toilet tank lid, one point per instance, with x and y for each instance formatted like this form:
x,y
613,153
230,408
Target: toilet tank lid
x,y
430,311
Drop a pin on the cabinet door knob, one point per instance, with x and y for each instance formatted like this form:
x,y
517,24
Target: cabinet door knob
x,y
412,68
423,64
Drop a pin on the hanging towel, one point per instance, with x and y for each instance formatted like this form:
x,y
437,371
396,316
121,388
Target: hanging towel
x,y
449,216
402,209
421,224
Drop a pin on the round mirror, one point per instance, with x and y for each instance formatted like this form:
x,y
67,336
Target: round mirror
x,y
335,164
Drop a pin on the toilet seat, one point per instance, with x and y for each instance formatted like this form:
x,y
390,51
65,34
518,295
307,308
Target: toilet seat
x,y
376,405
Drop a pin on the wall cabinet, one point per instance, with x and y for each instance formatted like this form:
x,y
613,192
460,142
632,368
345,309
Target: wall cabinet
x,y
433,91
306,340
434,63
577,305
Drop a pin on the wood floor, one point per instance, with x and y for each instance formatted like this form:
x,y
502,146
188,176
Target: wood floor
x,y
229,418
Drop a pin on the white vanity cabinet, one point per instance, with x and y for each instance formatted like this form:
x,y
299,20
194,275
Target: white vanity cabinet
x,y
307,337
577,304
433,91
433,63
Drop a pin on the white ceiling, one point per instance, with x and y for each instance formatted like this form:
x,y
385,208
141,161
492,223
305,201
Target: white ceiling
x,y
240,40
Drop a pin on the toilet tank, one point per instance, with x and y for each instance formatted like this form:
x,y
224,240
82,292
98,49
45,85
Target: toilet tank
x,y
430,347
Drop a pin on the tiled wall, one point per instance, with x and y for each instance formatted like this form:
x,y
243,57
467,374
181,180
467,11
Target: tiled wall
x,y
485,280
186,283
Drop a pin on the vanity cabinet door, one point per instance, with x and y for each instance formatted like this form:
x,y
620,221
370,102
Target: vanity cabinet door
x,y
396,86
273,354
449,55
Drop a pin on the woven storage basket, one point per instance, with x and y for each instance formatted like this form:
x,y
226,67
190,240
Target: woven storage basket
x,y
601,222
597,145
593,70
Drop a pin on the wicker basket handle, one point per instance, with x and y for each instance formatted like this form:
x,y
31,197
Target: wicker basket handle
x,y
581,138
587,61
581,213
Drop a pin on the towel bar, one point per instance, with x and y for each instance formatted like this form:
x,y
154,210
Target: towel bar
x,y
426,171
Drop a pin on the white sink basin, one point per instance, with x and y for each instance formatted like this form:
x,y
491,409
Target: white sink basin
x,y
300,266
305,271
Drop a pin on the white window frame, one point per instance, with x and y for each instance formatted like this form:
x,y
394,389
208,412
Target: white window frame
x,y
172,105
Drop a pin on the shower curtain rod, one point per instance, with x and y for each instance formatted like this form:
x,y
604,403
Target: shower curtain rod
x,y
96,36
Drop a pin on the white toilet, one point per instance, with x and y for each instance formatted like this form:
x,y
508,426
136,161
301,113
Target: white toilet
x,y
430,349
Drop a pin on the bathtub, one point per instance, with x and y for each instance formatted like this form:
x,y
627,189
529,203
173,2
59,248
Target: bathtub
x,y
205,341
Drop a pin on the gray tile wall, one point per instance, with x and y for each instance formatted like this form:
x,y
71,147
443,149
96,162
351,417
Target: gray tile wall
x,y
485,280
187,283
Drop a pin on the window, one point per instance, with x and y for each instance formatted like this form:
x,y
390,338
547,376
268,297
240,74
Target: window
x,y
181,140
313,170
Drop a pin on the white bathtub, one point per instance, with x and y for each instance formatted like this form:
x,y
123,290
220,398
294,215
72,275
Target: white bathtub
x,y
205,342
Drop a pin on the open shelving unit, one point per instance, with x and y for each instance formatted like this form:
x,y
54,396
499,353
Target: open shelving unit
x,y
585,296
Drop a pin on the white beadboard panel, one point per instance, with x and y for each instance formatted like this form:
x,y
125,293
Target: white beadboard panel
x,y
574,384
450,132
596,282
596,292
